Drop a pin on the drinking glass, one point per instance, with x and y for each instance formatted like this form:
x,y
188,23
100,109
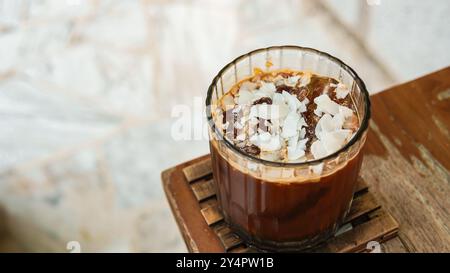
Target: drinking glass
x,y
278,206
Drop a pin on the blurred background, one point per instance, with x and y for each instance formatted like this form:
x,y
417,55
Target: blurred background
x,y
87,89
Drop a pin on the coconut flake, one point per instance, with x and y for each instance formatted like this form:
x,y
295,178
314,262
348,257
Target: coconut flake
x,y
290,125
302,107
294,154
291,100
279,80
237,109
272,144
238,125
302,143
338,121
227,102
225,125
296,149
267,90
275,126
241,137
302,123
268,87
285,138
341,91
264,137
306,79
245,97
253,121
292,142
333,141
302,133
318,150
248,85
318,112
325,124
254,139
278,99
259,95
270,156
266,141
326,105
269,111
345,111
292,81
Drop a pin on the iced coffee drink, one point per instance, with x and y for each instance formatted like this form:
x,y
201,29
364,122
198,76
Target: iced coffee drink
x,y
285,140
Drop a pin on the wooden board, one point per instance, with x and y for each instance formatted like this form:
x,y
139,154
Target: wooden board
x,y
407,159
365,222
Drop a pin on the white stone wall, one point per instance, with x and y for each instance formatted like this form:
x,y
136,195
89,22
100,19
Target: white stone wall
x,y
411,38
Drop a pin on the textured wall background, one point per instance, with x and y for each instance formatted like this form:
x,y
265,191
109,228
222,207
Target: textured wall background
x,y
87,88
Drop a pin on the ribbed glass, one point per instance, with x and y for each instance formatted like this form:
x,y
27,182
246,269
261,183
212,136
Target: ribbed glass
x,y
305,202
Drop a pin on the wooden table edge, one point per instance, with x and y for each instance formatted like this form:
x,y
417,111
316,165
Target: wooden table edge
x,y
182,213
192,246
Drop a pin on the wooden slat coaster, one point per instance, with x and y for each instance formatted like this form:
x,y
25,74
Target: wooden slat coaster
x,y
228,238
361,187
362,204
197,170
365,222
212,214
380,228
243,249
207,202
203,189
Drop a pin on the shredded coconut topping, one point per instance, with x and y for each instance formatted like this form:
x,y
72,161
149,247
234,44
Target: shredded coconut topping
x,y
288,116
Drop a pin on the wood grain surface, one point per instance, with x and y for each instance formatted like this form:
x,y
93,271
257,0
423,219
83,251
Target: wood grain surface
x,y
407,160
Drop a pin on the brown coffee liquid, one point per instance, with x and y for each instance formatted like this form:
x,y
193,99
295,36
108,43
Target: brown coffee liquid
x,y
280,215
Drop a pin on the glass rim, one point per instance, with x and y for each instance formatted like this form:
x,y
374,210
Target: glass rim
x,y
361,130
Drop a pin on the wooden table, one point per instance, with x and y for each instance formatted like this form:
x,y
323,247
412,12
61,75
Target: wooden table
x,y
407,160
406,166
